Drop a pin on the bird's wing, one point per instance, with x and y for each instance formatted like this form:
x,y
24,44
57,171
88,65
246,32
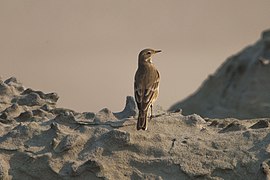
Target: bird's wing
x,y
146,90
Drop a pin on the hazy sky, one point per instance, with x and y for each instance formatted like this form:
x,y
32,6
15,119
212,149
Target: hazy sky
x,y
86,50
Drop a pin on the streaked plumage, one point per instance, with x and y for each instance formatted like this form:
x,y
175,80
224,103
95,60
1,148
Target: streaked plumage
x,y
146,86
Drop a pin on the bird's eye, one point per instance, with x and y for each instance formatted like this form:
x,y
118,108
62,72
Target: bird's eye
x,y
149,52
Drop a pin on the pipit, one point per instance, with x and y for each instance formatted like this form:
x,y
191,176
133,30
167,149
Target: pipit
x,y
146,86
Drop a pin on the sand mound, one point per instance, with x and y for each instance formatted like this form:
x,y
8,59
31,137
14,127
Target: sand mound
x,y
40,141
239,88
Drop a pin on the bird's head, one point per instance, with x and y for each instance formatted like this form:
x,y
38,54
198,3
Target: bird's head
x,y
145,55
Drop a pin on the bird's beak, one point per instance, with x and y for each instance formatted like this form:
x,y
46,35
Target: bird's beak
x,y
157,51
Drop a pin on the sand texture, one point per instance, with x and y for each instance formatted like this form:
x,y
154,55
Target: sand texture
x,y
239,88
38,140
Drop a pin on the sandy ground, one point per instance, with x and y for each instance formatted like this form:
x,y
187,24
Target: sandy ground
x,y
38,140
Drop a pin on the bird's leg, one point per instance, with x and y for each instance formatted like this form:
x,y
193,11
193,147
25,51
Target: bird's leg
x,y
151,106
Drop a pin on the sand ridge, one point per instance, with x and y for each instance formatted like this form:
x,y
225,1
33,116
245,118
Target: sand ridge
x,y
239,88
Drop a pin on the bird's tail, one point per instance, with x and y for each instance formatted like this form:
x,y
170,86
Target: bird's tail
x,y
142,120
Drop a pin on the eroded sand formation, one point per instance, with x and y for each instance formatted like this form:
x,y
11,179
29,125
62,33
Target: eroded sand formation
x,y
39,140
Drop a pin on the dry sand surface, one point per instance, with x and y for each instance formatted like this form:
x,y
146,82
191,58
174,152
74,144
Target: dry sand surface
x,y
38,140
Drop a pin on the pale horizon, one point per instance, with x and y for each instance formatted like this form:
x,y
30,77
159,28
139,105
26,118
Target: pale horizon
x,y
86,51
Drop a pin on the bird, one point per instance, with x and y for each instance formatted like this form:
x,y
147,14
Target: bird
x,y
146,86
